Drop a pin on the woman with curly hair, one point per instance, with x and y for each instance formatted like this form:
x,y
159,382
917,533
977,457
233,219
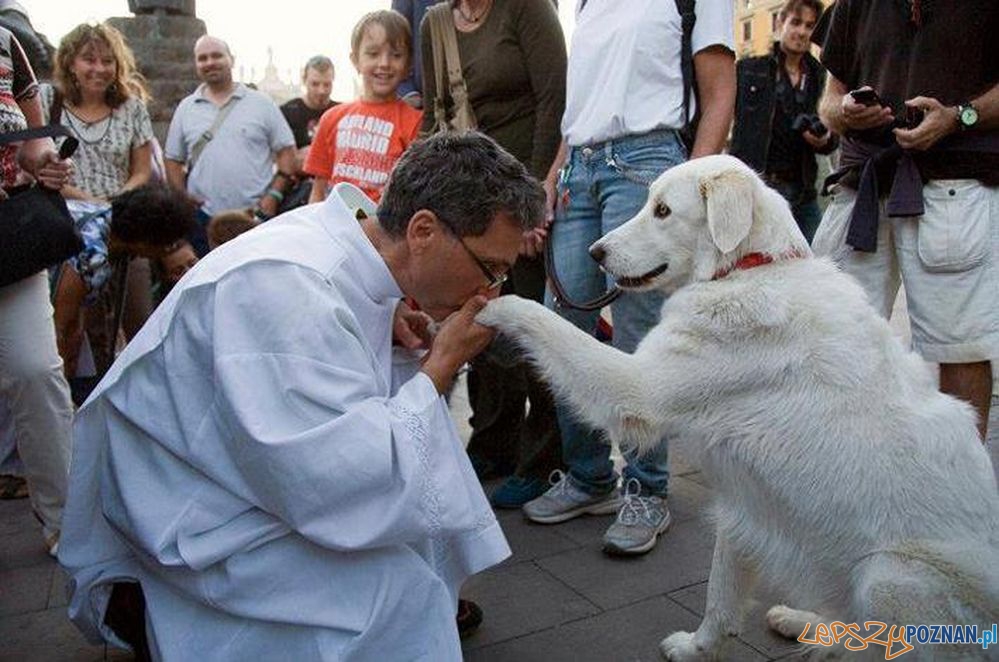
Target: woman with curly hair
x,y
98,94
142,222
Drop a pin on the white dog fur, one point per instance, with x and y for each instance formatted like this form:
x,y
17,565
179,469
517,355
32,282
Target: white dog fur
x,y
845,481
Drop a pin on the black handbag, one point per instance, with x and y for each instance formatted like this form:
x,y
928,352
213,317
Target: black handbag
x,y
36,228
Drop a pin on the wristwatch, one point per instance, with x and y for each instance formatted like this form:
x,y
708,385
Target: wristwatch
x,y
967,116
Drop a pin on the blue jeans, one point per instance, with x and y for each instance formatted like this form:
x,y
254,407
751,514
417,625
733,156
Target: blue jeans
x,y
804,208
601,187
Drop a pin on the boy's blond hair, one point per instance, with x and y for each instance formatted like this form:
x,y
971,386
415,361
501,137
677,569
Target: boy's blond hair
x,y
396,28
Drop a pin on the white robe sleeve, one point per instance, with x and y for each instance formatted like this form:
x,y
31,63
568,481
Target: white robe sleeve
x,y
308,429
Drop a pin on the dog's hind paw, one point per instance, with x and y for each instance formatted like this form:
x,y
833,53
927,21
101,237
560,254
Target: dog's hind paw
x,y
789,622
680,646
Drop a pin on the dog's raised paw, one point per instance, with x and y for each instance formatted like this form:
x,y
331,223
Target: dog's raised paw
x,y
506,313
679,647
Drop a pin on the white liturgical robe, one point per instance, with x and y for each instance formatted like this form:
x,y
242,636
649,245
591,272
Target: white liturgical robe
x,y
283,484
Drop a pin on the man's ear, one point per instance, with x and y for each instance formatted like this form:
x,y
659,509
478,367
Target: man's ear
x,y
729,199
423,229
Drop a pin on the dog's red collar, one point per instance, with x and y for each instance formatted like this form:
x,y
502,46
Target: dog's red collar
x,y
750,261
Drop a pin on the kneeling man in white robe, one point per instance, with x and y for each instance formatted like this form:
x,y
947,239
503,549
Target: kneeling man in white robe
x,y
281,481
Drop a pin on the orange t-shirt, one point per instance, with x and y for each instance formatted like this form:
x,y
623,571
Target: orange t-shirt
x,y
360,142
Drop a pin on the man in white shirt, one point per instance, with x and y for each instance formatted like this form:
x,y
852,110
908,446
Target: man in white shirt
x,y
280,480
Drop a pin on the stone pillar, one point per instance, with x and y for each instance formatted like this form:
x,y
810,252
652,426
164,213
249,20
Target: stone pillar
x,y
163,43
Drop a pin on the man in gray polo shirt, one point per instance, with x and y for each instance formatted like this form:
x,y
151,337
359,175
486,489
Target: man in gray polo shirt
x,y
234,168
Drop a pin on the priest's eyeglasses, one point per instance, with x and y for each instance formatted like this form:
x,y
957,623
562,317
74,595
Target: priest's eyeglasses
x,y
495,280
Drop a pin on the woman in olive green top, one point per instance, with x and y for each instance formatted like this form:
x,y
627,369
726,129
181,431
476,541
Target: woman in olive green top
x,y
513,60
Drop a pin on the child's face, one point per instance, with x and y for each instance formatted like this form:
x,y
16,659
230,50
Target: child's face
x,y
382,65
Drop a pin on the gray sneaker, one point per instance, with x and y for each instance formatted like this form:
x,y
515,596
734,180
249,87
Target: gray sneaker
x,y
639,522
563,501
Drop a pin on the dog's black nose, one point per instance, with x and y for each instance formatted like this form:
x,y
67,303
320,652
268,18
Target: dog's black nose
x,y
598,254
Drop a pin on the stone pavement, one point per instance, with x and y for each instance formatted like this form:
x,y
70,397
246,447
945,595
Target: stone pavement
x,y
557,598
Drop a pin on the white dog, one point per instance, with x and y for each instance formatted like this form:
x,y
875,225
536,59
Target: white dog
x,y
845,481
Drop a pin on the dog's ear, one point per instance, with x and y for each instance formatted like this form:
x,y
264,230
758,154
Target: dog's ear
x,y
729,199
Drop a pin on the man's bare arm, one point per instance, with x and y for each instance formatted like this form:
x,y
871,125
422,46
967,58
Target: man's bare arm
x,y
176,175
714,69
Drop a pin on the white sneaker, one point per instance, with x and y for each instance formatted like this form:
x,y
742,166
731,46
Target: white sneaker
x,y
564,501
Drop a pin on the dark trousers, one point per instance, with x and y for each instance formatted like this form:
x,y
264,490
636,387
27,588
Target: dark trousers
x,y
804,207
507,434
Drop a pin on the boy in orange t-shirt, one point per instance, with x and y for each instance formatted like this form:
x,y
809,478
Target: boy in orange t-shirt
x,y
360,142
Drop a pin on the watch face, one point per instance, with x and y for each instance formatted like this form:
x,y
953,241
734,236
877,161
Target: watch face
x,y
969,116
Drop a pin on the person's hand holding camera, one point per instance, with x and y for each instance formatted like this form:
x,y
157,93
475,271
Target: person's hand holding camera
x,y
457,341
938,121
861,109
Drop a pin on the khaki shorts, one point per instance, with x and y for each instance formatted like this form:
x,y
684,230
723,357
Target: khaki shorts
x,y
948,259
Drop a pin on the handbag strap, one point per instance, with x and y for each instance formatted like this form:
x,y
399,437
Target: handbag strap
x,y
437,44
456,82
47,131
445,42
207,136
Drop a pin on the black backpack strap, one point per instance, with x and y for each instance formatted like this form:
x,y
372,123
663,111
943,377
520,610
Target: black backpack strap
x,y
47,131
687,20
55,113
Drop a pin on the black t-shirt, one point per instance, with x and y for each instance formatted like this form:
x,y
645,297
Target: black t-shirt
x,y
303,120
951,54
786,145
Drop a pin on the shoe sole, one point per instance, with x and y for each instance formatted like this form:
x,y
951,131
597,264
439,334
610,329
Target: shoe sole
x,y
614,550
603,508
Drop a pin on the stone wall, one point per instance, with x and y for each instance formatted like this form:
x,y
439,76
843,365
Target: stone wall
x,y
164,51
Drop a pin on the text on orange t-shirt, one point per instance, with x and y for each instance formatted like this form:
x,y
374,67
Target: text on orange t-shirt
x,y
360,142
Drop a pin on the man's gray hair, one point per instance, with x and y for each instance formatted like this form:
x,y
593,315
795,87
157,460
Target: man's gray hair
x,y
465,179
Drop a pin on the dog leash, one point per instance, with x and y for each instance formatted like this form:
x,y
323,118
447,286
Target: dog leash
x,y
559,294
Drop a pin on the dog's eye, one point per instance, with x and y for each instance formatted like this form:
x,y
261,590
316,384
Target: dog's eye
x,y
662,210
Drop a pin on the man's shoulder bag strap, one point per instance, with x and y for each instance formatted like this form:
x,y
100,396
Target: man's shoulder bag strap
x,y
207,136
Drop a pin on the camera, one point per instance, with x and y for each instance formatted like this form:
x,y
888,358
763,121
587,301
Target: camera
x,y
805,122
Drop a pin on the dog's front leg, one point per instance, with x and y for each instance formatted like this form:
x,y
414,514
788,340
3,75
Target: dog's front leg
x,y
603,386
729,585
